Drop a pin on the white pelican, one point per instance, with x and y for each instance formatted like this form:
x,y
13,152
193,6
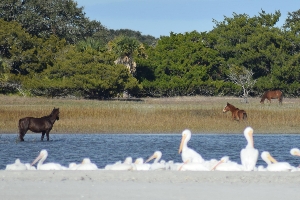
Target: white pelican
x,y
261,168
109,166
295,152
140,165
156,165
188,155
29,166
16,166
249,154
226,165
273,165
204,166
72,166
48,166
194,167
86,164
128,160
173,166
126,165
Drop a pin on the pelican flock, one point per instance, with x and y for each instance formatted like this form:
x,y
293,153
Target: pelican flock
x,y
191,160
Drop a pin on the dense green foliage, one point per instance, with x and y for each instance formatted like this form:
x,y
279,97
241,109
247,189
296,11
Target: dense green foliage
x,y
50,48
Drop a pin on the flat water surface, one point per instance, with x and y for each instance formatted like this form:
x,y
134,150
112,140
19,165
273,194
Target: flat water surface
x,y
105,149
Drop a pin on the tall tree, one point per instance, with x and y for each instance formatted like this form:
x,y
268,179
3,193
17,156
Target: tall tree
x,y
84,74
145,39
252,42
62,18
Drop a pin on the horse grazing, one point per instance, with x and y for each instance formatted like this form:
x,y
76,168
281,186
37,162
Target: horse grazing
x,y
272,94
38,125
237,114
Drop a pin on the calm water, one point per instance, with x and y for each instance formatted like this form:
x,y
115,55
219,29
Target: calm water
x,y
105,149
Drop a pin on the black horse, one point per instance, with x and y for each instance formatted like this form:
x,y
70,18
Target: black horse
x,y
37,125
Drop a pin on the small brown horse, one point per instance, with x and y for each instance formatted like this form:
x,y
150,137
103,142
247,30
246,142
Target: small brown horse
x,y
237,114
38,125
272,94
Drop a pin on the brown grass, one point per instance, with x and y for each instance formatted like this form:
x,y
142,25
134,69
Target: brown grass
x,y
166,115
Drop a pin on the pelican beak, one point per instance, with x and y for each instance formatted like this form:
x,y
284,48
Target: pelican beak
x,y
297,153
151,158
181,144
37,159
251,138
216,165
273,160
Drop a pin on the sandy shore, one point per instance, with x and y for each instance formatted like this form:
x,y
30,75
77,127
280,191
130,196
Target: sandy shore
x,y
115,185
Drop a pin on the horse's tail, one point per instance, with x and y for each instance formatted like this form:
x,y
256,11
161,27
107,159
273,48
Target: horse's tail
x,y
245,115
23,125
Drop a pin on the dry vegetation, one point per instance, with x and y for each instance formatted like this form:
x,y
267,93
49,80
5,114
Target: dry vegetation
x,y
166,115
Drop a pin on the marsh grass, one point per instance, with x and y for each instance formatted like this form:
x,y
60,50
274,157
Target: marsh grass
x,y
166,115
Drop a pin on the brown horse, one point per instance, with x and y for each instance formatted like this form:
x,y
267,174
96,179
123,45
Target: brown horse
x,y
38,125
272,94
237,114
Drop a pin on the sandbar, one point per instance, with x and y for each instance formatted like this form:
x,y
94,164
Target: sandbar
x,y
115,185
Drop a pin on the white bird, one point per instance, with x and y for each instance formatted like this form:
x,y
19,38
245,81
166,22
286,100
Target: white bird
x,y
48,166
126,165
72,166
156,165
273,165
140,165
249,154
16,166
295,152
226,165
260,168
207,165
173,166
86,164
128,160
194,167
29,166
188,155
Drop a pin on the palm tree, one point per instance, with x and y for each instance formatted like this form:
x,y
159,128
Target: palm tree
x,y
126,48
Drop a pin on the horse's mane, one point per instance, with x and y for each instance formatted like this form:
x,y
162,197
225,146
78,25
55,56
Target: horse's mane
x,y
232,106
55,110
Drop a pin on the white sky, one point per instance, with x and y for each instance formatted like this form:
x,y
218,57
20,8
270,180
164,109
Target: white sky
x,y
160,17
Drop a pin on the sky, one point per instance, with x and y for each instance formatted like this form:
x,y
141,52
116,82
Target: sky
x,y
161,17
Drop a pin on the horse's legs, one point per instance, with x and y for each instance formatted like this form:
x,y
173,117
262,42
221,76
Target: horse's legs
x,y
47,133
280,100
21,135
43,135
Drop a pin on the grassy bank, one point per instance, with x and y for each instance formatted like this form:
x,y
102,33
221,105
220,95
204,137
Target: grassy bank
x,y
167,115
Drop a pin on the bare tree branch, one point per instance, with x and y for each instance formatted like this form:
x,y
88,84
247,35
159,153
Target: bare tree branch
x,y
242,77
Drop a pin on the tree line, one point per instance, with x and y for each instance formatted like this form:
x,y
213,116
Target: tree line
x,y
49,48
